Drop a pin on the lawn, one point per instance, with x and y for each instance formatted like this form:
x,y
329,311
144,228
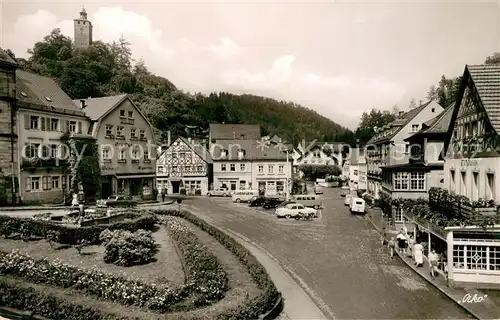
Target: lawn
x,y
166,270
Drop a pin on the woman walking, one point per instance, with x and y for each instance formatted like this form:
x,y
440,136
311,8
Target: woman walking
x,y
418,254
433,263
391,245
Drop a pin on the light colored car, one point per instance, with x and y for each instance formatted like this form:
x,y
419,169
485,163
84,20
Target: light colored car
x,y
358,206
292,210
221,192
348,200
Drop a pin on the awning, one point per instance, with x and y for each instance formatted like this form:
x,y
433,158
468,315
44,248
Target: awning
x,y
136,176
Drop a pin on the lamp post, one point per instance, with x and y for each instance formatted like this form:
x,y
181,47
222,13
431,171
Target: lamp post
x,y
287,190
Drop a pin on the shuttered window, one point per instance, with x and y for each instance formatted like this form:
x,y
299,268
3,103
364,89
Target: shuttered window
x,y
79,127
27,187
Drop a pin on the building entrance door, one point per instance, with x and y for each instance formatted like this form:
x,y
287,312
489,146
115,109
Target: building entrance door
x,y
175,186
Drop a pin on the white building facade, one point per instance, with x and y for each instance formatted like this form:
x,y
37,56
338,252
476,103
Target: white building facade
x,y
387,147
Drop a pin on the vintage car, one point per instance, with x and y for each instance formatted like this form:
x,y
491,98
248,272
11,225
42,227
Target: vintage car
x,y
257,201
221,192
116,201
293,210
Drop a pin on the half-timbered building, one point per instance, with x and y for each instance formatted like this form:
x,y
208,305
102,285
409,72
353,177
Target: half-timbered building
x,y
473,144
472,169
185,166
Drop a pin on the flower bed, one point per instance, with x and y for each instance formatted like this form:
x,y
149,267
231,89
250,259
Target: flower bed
x,y
206,280
261,304
51,307
72,235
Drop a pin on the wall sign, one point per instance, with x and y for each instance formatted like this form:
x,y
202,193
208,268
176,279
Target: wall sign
x,y
144,168
468,163
107,168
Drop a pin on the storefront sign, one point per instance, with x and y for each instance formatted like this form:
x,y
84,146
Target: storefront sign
x,y
144,168
107,168
468,163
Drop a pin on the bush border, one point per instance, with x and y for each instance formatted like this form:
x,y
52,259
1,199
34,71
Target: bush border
x,y
267,305
264,305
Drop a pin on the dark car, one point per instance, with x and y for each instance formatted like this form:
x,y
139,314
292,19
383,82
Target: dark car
x,y
284,203
257,201
117,201
272,203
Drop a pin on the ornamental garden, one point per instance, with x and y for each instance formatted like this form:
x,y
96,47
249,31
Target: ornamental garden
x,y
137,265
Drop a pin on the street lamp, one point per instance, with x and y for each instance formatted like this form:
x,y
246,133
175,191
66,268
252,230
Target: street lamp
x,y
287,189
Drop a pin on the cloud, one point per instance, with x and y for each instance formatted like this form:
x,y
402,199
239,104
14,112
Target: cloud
x,y
220,64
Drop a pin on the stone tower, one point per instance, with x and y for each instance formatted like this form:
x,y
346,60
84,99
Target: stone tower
x,y
83,31
8,130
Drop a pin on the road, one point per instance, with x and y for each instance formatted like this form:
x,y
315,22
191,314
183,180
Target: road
x,y
338,259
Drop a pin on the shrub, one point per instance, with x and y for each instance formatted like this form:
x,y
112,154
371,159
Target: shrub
x,y
52,237
15,296
25,233
182,191
125,248
206,280
197,192
7,228
269,296
73,235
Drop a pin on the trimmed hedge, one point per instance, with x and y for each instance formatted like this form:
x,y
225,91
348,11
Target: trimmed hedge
x,y
206,280
261,304
73,235
51,307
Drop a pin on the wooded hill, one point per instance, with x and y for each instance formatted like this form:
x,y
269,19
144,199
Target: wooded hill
x,y
108,69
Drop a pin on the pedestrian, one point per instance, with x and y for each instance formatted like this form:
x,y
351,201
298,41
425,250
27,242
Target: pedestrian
x,y
433,263
418,254
383,240
162,195
391,245
411,243
401,238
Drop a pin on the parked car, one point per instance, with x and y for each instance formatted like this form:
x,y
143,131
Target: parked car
x,y
309,200
348,200
271,203
358,206
257,201
293,210
116,201
344,191
284,203
221,192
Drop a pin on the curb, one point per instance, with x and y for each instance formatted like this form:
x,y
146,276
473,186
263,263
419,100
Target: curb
x,y
432,283
293,277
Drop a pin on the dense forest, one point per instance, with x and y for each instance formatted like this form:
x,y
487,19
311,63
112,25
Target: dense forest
x,y
108,69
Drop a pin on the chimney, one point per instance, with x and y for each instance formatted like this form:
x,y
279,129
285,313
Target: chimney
x,y
169,141
82,103
375,129
401,113
189,140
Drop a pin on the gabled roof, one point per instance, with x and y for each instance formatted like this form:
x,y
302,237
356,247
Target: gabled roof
x,y
253,150
398,124
486,80
197,148
437,125
234,131
6,59
98,107
36,90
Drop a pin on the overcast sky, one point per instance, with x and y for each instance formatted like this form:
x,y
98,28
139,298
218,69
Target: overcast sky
x,y
339,58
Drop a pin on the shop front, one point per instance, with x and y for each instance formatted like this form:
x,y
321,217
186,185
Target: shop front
x,y
138,186
475,256
271,187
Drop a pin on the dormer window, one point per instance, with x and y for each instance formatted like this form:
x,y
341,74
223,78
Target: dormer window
x,y
223,153
48,99
241,153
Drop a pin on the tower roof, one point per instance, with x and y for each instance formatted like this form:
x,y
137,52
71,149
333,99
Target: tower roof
x,y
5,58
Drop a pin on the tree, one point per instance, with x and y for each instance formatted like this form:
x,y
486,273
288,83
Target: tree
x,y
493,59
313,172
376,118
413,103
433,92
108,69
